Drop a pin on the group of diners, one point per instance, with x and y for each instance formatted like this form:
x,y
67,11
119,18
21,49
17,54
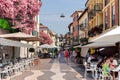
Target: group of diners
x,y
106,64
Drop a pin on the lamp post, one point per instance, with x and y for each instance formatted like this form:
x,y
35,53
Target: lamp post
x,y
62,15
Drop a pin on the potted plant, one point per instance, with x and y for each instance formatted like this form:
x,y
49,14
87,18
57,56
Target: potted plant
x,y
84,40
32,50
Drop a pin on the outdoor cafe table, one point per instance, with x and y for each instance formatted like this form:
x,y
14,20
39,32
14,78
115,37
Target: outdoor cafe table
x,y
117,69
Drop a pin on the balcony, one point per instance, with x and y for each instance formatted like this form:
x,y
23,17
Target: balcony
x,y
84,40
83,26
91,14
98,7
95,31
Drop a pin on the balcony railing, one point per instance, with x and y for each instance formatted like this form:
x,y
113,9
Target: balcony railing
x,y
98,7
83,26
95,31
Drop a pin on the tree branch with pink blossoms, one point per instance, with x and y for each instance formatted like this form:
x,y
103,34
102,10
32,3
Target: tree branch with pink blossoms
x,y
45,38
21,13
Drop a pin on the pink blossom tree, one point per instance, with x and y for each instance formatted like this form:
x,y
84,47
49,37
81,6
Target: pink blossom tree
x,y
45,38
21,13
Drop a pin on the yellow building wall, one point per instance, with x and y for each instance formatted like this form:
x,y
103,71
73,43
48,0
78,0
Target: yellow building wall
x,y
98,18
81,20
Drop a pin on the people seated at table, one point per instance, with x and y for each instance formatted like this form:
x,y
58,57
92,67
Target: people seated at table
x,y
107,65
89,59
92,58
113,65
106,68
100,63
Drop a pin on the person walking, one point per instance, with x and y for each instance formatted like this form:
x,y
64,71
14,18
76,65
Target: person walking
x,y
74,54
66,54
59,54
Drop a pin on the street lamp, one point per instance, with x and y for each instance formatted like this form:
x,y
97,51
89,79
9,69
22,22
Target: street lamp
x,y
62,15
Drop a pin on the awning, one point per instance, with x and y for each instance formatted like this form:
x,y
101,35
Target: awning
x,y
77,46
108,39
7,42
112,36
84,51
20,36
100,44
45,46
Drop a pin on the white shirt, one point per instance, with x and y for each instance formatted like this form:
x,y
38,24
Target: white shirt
x,y
115,62
74,53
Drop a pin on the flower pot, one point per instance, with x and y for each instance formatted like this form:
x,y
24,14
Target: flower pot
x,y
36,61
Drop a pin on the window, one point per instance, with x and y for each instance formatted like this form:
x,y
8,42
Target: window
x,y
77,27
85,22
106,20
73,19
98,7
113,15
73,29
106,2
77,17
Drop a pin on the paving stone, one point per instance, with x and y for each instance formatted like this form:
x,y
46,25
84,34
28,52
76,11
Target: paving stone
x,y
53,69
22,76
47,75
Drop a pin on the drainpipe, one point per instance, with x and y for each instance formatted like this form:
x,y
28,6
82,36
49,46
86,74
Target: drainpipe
x,y
78,32
118,13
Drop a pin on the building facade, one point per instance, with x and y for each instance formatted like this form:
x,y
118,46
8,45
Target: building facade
x,y
95,18
70,34
75,27
83,27
102,17
99,17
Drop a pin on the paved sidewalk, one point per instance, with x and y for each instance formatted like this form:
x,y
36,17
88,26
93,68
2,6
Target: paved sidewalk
x,y
52,69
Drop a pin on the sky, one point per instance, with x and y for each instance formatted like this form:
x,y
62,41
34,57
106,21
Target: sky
x,y
52,9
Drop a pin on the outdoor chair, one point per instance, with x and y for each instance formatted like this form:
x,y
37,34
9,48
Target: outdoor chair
x,y
26,64
102,77
6,71
31,63
10,69
21,66
16,67
88,68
